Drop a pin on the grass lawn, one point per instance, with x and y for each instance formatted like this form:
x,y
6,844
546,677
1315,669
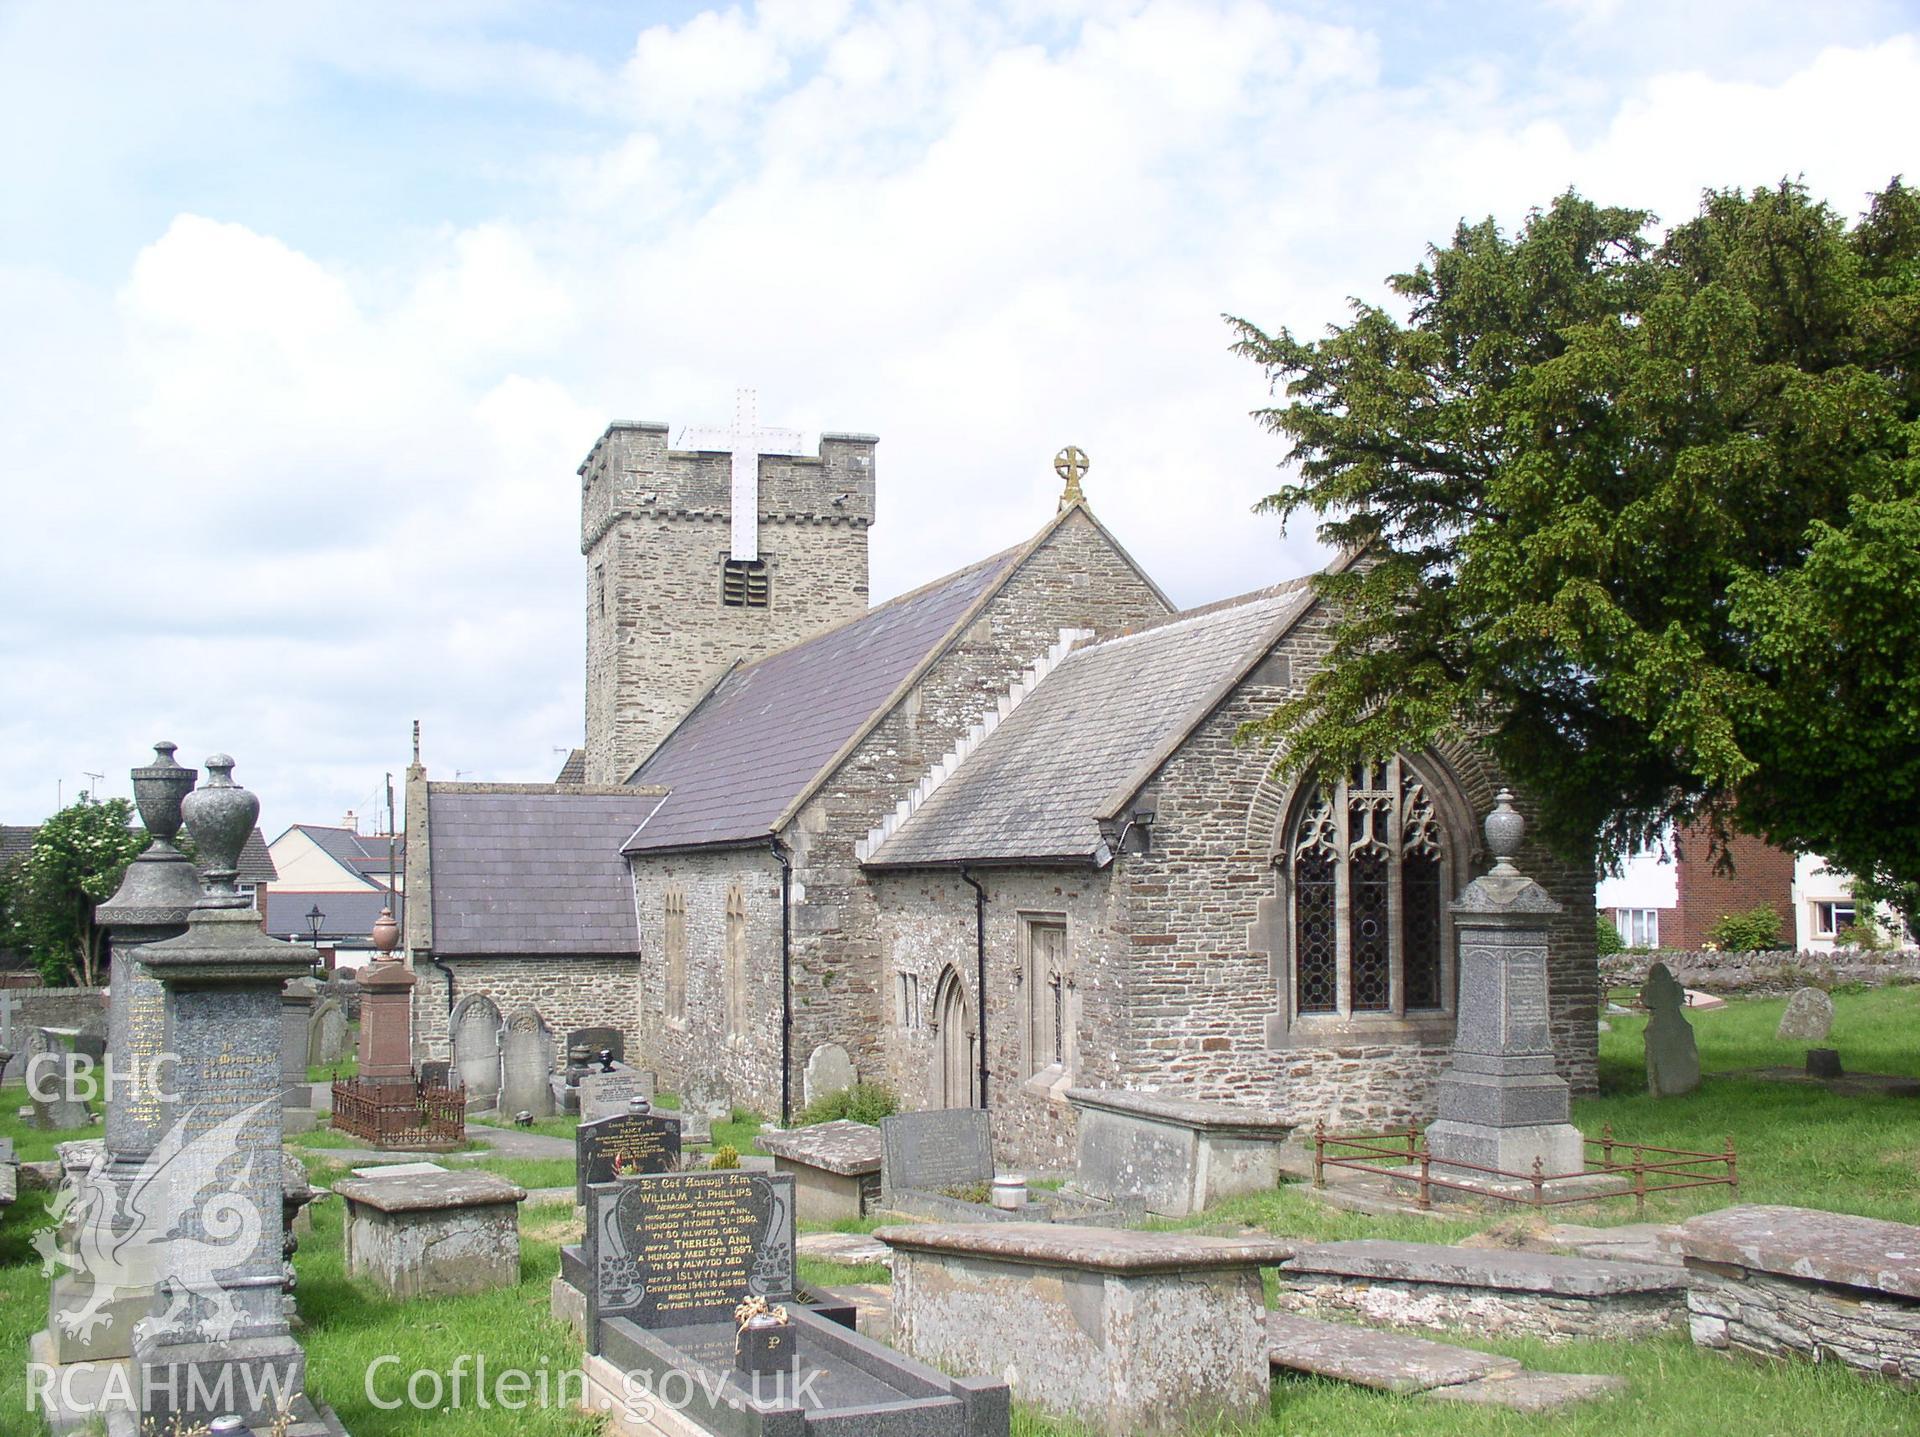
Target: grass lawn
x,y
1797,1145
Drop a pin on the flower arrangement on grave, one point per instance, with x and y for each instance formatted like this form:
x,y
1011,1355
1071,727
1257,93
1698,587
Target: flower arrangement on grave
x,y
763,1340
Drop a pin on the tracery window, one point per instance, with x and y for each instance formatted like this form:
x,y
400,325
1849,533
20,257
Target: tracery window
x,y
676,953
736,962
1368,862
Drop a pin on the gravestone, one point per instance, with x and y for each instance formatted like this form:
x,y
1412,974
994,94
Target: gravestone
x,y
708,1097
219,1340
296,1011
476,1050
604,1095
597,1040
526,1065
829,1070
1673,1060
682,1248
636,1141
54,1082
436,1073
1501,1104
327,1034
937,1150
1809,1017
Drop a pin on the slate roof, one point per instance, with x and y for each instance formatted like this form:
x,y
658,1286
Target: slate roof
x,y
16,839
361,854
347,917
1089,735
574,770
768,728
532,870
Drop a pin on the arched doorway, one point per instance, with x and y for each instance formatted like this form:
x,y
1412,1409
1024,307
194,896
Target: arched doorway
x,y
954,1031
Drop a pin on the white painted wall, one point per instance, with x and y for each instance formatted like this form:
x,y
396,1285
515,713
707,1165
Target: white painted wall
x,y
305,867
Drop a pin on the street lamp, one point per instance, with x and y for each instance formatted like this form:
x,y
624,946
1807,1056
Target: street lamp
x,y
314,919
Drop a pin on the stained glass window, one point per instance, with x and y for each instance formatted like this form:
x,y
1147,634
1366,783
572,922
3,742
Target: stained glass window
x,y
1368,867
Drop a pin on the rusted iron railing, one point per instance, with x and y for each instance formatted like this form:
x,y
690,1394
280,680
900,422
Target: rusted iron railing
x,y
1401,1155
400,1115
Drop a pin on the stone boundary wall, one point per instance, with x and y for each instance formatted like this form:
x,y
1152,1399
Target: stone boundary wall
x,y
1765,973
58,1008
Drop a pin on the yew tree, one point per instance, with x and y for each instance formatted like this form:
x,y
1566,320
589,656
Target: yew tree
x,y
1640,509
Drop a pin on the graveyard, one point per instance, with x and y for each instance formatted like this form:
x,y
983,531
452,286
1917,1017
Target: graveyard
x,y
1801,1147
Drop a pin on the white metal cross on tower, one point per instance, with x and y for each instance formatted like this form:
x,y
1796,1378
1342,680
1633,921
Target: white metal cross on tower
x,y
746,442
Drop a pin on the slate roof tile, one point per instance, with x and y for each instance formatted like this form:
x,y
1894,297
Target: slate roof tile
x,y
532,872
769,727
1035,786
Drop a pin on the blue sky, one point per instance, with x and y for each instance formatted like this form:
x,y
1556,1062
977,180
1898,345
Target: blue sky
x,y
307,314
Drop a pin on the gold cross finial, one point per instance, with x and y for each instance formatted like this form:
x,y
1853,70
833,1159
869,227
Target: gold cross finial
x,y
1070,464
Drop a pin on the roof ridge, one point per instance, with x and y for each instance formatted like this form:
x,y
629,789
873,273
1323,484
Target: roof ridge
x,y
1216,609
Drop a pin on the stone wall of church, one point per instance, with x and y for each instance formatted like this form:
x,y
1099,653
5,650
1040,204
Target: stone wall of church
x,y
569,993
697,1050
842,992
1204,987
655,527
927,928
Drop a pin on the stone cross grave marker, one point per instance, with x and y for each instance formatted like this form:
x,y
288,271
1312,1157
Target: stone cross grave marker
x,y
1809,1017
637,1141
676,1249
1673,1060
934,1151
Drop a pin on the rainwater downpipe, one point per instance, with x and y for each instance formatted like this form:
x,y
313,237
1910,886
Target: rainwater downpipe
x,y
980,971
786,981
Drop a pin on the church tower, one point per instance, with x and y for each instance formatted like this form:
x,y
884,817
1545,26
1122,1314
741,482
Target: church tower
x,y
730,548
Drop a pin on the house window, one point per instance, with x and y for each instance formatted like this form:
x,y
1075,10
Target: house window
x,y
906,1001
1368,865
1047,991
1831,919
675,943
736,962
743,583
1639,927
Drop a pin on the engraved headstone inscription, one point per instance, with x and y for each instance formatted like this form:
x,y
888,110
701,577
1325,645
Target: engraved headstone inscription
x,y
602,1095
936,1150
631,1142
681,1248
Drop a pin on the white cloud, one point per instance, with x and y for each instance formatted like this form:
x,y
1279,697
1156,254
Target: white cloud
x,y
282,493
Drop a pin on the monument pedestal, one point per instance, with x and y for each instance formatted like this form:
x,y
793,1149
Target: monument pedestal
x,y
1501,1105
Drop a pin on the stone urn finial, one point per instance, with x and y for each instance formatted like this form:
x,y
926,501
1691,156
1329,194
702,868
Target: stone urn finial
x,y
158,789
220,814
1504,829
386,932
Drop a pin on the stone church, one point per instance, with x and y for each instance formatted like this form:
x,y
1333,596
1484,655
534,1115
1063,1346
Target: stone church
x,y
993,838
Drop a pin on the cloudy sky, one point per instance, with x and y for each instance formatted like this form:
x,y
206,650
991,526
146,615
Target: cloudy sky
x,y
309,313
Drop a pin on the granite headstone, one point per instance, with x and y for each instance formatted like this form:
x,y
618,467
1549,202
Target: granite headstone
x,y
636,1141
679,1248
598,1040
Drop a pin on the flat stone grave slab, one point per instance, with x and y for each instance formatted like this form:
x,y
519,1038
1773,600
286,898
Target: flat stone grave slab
x,y
847,1247
1129,1331
1783,1282
1531,1391
433,1234
1171,1154
835,1168
1483,1290
1385,1361
398,1170
1848,1085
